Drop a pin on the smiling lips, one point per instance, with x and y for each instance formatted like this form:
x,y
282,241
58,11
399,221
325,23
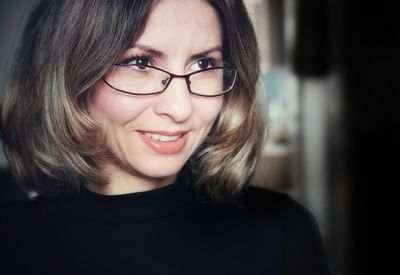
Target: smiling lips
x,y
165,142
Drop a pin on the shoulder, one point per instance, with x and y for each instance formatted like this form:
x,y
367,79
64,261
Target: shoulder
x,y
260,201
266,210
27,227
299,231
258,197
302,242
297,224
32,219
31,213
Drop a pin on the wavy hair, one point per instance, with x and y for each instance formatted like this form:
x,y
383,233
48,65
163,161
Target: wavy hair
x,y
52,144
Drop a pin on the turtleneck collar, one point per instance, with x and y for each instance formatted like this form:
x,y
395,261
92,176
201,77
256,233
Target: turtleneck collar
x,y
135,206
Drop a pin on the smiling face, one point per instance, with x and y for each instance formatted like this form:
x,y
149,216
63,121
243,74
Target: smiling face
x,y
153,136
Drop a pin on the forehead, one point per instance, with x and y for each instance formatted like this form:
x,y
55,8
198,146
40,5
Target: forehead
x,y
194,21
196,12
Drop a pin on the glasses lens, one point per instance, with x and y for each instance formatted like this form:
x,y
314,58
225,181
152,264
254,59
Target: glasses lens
x,y
137,79
142,80
212,82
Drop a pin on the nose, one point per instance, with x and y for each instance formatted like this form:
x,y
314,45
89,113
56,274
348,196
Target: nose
x,y
176,101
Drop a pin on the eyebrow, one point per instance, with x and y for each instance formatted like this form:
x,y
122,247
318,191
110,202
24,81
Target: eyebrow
x,y
149,50
206,52
159,54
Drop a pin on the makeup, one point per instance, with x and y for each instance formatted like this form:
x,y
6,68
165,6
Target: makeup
x,y
164,142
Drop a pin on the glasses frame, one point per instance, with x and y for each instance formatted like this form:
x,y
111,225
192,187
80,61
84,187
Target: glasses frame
x,y
172,76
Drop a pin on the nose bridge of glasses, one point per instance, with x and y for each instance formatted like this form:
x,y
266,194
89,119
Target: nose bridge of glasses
x,y
175,101
168,79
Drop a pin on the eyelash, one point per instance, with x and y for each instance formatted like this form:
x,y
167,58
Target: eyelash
x,y
136,57
213,61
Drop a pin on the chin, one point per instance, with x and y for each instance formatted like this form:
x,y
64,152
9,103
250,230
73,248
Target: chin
x,y
158,170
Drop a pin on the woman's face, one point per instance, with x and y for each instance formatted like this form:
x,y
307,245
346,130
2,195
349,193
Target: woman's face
x,y
153,136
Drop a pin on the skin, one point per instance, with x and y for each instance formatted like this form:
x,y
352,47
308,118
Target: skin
x,y
178,30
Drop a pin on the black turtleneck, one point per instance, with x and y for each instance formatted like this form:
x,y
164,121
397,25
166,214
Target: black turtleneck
x,y
163,231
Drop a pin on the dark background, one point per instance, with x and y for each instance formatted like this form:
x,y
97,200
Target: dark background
x,y
360,40
370,57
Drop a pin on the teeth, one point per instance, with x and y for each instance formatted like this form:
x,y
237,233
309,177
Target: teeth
x,y
161,137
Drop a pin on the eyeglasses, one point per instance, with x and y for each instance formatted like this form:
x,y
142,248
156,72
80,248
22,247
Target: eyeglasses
x,y
149,80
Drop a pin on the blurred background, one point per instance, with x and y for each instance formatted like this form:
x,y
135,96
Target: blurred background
x,y
330,79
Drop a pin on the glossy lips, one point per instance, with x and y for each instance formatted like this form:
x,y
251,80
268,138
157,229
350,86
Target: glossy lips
x,y
163,142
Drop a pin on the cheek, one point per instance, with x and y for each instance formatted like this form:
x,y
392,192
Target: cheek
x,y
209,109
108,106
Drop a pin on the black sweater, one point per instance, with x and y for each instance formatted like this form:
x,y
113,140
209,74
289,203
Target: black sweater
x,y
163,231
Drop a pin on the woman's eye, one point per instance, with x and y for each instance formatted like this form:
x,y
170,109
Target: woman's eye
x,y
204,63
140,61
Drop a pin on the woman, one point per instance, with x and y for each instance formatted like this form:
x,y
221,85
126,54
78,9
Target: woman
x,y
136,123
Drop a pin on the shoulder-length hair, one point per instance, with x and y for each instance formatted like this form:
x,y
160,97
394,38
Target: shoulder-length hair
x,y
52,144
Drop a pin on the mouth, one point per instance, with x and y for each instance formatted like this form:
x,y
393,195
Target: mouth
x,y
163,138
164,142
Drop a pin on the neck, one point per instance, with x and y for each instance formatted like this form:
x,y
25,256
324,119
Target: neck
x,y
124,182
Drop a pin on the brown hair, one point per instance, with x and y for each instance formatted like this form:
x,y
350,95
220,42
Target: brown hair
x,y
50,141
